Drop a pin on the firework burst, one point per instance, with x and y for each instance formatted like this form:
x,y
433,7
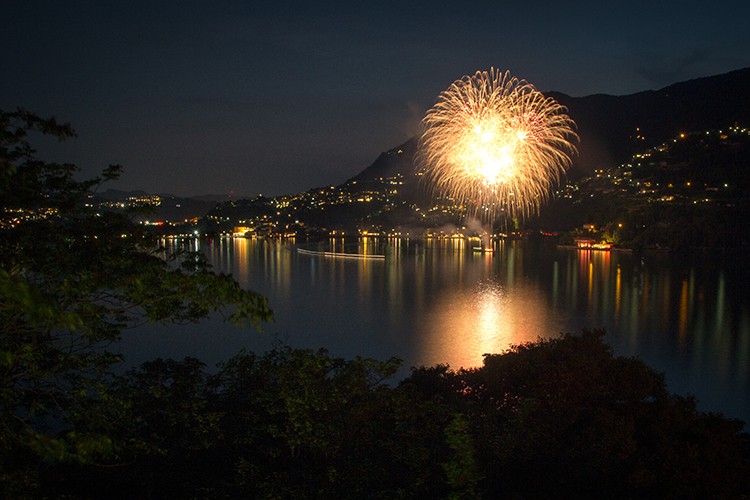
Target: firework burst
x,y
494,144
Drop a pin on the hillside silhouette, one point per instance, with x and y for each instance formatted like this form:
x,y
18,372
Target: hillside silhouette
x,y
614,128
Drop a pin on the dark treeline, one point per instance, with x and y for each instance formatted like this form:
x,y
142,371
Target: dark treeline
x,y
560,416
550,418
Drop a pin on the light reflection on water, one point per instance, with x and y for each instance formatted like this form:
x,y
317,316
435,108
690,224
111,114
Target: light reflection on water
x,y
485,319
435,302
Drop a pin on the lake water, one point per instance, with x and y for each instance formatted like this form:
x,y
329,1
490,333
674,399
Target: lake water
x,y
436,301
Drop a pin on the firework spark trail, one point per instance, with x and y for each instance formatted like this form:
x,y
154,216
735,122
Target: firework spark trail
x,y
493,143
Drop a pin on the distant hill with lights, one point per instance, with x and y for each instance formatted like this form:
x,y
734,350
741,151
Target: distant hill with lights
x,y
692,191
614,128
628,172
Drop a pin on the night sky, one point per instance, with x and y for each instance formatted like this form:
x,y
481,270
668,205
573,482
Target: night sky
x,y
279,97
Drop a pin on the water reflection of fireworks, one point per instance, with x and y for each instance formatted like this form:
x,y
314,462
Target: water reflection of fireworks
x,y
488,318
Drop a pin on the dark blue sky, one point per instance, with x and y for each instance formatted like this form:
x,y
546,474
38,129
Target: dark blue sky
x,y
278,97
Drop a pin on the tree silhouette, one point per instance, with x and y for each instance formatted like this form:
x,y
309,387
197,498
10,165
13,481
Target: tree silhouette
x,y
72,278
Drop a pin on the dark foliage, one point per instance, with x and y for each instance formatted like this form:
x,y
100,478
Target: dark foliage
x,y
545,419
71,279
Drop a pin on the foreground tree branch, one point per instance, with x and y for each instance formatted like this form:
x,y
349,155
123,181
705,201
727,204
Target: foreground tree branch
x,y
71,280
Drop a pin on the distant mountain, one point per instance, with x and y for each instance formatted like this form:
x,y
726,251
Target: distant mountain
x,y
397,162
690,192
174,208
217,198
614,128
170,207
388,195
118,194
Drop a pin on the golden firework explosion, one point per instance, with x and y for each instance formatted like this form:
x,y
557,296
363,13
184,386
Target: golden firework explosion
x,y
493,143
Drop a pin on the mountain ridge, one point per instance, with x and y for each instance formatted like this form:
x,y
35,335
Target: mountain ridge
x,y
613,128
